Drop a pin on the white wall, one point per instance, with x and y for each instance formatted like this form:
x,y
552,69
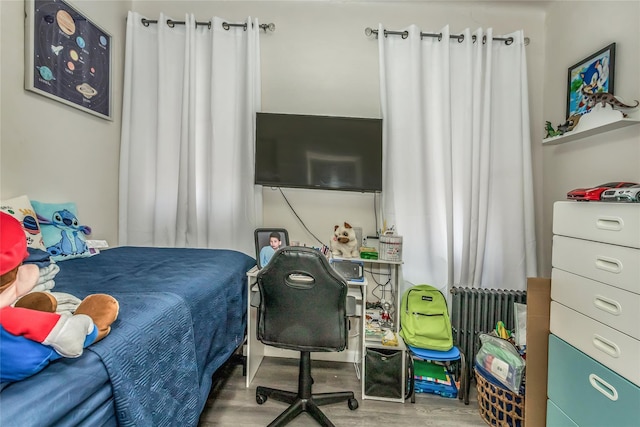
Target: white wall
x,y
612,156
53,152
319,61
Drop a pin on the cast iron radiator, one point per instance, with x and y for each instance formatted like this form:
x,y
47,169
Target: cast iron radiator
x,y
475,311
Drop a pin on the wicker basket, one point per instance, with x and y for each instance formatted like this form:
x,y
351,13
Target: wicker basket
x,y
499,406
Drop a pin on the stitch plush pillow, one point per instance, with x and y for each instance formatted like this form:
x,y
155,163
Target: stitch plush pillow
x,y
62,231
20,208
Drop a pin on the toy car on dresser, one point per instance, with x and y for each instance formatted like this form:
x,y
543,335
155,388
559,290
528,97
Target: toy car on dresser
x,y
627,194
596,193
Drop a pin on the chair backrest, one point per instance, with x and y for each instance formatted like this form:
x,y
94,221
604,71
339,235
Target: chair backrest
x,y
303,302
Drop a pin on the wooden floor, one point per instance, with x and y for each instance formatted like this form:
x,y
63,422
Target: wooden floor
x,y
230,403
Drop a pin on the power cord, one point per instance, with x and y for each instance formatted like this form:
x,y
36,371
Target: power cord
x,y
379,273
299,219
380,285
375,211
375,215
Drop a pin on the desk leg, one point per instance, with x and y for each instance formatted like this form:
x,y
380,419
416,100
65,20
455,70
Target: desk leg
x,y
255,349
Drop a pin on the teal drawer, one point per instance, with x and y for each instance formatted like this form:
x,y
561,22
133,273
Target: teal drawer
x,y
557,418
587,392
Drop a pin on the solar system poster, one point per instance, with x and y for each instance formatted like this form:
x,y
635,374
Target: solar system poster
x,y
68,57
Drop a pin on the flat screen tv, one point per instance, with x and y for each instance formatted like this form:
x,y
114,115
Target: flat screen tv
x,y
319,152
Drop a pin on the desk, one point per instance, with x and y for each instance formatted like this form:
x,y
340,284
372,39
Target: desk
x,y
256,351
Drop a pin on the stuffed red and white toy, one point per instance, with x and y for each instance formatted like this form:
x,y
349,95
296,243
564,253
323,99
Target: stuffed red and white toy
x,y
32,334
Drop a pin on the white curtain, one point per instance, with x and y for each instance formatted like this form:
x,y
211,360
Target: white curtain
x,y
186,158
457,159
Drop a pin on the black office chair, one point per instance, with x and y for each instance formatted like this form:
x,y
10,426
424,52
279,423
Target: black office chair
x,y
302,308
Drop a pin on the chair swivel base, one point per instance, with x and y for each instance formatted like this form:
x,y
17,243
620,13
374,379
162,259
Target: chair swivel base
x,y
298,405
303,400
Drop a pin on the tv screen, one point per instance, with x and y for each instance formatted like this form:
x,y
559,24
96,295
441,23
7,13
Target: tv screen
x,y
323,152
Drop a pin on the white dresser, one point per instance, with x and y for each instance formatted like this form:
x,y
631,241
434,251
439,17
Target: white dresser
x,y
594,346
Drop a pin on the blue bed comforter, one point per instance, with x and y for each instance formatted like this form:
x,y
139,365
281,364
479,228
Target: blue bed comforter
x,y
182,314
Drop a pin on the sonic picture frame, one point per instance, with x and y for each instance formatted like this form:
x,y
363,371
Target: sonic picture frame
x,y
595,74
68,57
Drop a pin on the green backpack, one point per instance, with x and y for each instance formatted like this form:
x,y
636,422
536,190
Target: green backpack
x,y
424,319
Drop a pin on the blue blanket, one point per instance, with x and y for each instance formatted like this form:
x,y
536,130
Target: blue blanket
x,y
182,314
151,361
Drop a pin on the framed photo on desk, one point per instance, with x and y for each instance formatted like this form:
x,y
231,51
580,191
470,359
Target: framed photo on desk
x,y
268,240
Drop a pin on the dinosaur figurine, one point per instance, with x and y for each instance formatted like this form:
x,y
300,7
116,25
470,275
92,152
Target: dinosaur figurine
x,y
550,130
605,98
570,124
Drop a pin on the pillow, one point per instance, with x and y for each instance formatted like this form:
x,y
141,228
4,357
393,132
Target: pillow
x,y
21,209
62,231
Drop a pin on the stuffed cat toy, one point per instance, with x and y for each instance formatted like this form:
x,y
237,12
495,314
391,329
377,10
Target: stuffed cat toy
x,y
344,243
32,334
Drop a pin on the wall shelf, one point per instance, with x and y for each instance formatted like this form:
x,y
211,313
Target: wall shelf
x,y
599,120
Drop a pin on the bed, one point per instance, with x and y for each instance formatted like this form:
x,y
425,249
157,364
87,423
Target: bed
x,y
182,315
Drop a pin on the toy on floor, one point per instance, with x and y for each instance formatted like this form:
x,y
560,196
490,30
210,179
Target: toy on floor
x,y
32,334
344,242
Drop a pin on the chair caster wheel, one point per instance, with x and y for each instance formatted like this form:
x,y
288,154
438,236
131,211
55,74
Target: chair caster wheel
x,y
261,398
353,404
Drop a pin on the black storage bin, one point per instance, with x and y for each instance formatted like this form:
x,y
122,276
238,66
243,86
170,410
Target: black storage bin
x,y
383,373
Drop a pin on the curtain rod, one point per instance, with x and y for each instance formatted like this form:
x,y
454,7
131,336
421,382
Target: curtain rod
x,y
460,37
226,25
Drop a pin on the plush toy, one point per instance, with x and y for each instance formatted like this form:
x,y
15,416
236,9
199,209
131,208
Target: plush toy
x,y
32,334
69,229
344,242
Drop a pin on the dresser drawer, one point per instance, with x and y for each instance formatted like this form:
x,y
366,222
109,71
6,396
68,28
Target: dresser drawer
x,y
612,306
587,392
612,348
615,223
557,418
618,266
